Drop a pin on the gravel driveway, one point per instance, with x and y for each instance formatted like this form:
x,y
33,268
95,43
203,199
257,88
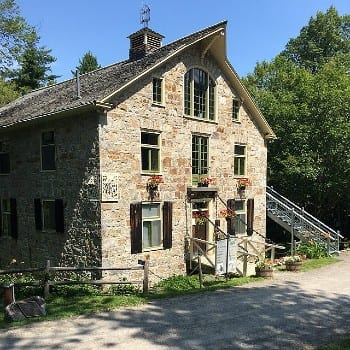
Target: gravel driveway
x,y
292,311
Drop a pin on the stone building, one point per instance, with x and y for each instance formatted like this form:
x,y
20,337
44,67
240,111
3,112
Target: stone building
x,y
77,159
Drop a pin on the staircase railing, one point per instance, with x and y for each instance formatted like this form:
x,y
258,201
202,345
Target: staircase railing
x,y
299,222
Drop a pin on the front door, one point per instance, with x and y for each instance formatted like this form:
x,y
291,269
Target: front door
x,y
200,231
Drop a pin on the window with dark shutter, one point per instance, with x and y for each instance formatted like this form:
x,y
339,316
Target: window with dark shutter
x,y
250,216
167,225
14,227
231,220
136,227
37,214
59,215
0,219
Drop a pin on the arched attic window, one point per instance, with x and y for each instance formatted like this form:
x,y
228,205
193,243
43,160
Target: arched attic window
x,y
199,94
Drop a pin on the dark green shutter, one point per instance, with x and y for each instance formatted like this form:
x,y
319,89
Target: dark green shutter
x,y
59,215
250,216
231,221
136,227
167,225
0,219
14,226
37,214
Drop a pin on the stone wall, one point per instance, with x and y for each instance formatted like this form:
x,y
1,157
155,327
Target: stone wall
x,y
120,152
77,158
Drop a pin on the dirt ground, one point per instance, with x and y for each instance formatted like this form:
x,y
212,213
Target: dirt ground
x,y
293,311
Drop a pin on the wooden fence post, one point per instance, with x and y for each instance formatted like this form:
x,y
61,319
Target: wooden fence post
x,y
9,294
46,279
200,272
146,275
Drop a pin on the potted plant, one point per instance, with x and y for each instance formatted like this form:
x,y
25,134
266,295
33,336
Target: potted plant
x,y
227,213
293,263
200,217
205,181
264,268
242,183
153,182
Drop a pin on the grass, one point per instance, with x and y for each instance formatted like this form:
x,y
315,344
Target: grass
x,y
74,301
343,344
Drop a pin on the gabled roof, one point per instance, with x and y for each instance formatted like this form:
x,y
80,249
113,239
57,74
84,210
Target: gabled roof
x,y
99,86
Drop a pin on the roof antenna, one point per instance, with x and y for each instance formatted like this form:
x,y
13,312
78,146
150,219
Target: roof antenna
x,y
145,15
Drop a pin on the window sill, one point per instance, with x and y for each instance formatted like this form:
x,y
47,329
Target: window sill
x,y
150,249
159,105
200,119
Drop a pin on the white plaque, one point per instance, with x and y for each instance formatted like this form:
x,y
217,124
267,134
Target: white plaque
x,y
109,187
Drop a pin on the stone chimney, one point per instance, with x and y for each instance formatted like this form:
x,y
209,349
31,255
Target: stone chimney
x,y
142,42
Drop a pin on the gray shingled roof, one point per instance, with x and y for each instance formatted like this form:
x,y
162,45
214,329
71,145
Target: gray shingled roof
x,y
94,86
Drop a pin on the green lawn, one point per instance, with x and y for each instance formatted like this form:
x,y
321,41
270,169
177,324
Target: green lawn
x,y
70,301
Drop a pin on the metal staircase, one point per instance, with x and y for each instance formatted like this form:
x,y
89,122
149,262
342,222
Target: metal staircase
x,y
300,223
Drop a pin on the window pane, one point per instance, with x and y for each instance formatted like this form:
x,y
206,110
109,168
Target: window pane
x,y
156,233
157,90
150,210
240,220
154,159
47,138
149,138
49,215
239,150
4,163
146,234
187,92
48,157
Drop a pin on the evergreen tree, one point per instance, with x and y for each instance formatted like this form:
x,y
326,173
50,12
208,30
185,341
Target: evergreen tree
x,y
34,64
87,64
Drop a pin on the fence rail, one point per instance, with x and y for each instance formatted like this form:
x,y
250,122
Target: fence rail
x,y
46,282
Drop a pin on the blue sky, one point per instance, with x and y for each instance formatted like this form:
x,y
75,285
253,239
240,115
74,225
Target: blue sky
x,y
257,29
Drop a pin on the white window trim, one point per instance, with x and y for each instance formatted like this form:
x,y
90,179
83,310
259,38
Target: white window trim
x,y
162,102
150,172
160,219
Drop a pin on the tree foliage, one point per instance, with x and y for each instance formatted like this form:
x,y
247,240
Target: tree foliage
x,y
306,99
14,34
34,64
87,64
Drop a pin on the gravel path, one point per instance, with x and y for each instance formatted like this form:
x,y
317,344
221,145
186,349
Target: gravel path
x,y
292,311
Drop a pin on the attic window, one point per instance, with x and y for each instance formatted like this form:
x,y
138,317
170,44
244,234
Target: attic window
x,y
199,94
48,151
158,91
236,105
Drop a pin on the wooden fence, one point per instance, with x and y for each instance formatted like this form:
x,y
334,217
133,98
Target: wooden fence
x,y
48,270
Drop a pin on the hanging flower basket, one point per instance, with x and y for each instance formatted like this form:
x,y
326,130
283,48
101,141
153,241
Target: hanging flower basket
x,y
200,217
227,214
153,182
242,183
205,181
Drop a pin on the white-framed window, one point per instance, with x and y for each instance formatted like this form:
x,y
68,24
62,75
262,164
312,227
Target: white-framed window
x,y
199,94
150,152
158,91
151,225
200,157
236,106
240,160
240,216
4,159
48,151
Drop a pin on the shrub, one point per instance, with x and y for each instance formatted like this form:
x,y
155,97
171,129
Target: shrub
x,y
312,250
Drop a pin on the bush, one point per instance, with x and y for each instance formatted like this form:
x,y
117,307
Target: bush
x,y
312,250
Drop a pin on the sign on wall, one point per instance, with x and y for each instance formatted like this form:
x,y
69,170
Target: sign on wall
x,y
109,187
222,253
